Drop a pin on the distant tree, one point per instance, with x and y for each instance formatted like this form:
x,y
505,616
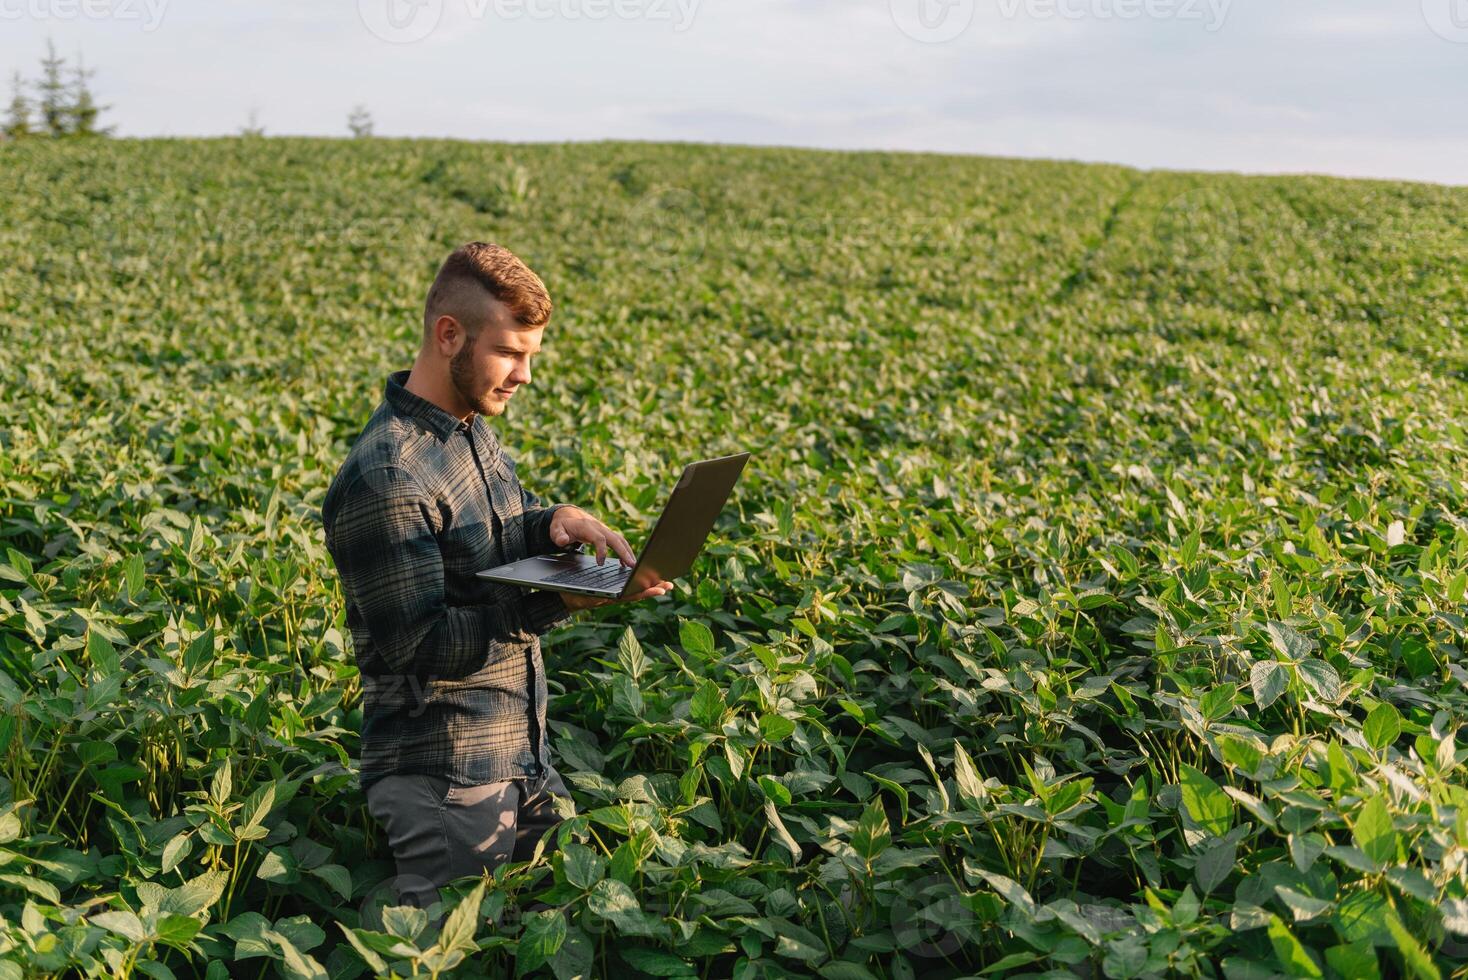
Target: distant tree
x,y
18,116
253,127
55,111
63,104
359,121
83,108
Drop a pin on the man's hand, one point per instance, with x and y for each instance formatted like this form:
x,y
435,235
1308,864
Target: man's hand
x,y
576,603
571,525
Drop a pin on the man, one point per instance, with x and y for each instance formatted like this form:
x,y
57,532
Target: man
x,y
454,762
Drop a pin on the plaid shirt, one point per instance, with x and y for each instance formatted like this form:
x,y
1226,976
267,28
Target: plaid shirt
x,y
452,680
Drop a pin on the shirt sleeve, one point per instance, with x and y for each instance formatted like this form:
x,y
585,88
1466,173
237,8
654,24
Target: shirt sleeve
x,y
537,525
392,572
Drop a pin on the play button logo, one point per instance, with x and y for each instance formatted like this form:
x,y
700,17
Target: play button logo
x,y
400,21
932,21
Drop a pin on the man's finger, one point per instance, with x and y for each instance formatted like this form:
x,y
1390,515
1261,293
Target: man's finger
x,y
622,548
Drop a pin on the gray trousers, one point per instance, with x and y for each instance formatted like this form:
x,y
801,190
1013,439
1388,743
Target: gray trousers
x,y
438,831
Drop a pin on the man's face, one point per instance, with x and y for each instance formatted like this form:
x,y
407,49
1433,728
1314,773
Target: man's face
x,y
492,364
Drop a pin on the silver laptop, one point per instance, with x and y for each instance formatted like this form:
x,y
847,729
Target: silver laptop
x,y
675,542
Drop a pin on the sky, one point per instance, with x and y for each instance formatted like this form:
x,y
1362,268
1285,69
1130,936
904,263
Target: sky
x,y
1347,87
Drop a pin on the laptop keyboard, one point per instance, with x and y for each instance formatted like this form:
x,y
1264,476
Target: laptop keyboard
x,y
607,576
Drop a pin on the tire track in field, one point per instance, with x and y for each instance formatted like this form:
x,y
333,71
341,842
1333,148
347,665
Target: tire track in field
x,y
1077,276
1072,281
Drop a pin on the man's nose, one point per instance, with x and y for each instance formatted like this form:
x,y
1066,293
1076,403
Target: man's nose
x,y
521,374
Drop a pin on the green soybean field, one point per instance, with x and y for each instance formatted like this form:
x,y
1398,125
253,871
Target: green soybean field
x,y
1093,603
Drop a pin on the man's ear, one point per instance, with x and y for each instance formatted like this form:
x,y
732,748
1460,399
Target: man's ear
x,y
448,335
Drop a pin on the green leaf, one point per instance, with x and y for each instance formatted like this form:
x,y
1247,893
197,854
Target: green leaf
x,y
176,850
707,707
799,944
775,728
971,789
1208,806
1415,958
1013,960
574,960
775,791
1008,889
1354,960
630,655
781,833
404,921
1383,726
102,654
303,933
197,894
125,924
248,930
177,930
613,900
872,834
1268,680
374,962
545,933
1218,703
1303,907
656,963
338,877
295,964
1321,678
1215,865
256,808
1374,833
696,638
462,923
222,784
1290,642
582,866
1290,953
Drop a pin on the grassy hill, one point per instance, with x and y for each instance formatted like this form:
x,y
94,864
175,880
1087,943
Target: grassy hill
x,y
1093,601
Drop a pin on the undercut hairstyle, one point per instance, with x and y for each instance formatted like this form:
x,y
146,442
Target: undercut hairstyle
x,y
479,267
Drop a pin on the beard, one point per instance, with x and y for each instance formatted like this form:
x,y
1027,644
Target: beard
x,y
476,394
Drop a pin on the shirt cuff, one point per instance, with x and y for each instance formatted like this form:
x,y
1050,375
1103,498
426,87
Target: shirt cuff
x,y
543,543
540,611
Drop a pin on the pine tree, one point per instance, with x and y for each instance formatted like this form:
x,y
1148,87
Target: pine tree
x,y
253,127
55,112
83,108
360,122
18,116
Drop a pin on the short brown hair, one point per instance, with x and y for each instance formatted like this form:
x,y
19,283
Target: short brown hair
x,y
495,269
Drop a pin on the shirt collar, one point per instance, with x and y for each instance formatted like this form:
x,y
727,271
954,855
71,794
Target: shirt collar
x,y
404,402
